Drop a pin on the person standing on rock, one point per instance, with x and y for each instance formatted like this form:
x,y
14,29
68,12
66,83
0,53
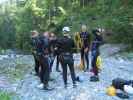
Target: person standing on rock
x,y
65,46
53,54
44,60
98,40
35,51
85,46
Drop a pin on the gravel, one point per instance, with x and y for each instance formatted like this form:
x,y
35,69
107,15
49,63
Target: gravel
x,y
112,67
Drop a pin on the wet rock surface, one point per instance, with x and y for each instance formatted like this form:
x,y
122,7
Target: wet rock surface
x,y
85,91
26,87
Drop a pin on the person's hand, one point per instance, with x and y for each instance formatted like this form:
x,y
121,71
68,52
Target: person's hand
x,y
86,50
56,48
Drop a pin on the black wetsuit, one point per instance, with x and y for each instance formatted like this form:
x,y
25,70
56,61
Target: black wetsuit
x,y
65,47
85,38
53,54
43,51
34,44
98,40
119,83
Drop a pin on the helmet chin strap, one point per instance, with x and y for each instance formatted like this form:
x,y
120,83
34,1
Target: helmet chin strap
x,y
83,30
66,34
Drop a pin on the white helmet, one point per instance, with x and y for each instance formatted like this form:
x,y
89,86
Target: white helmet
x,y
66,29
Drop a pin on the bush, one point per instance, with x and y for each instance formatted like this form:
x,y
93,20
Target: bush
x,y
5,96
123,34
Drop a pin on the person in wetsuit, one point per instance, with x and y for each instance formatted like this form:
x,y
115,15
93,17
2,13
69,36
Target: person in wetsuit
x,y
34,43
98,40
43,51
85,46
53,53
65,46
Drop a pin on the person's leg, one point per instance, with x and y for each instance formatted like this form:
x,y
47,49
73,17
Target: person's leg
x,y
46,71
37,64
64,68
52,58
82,59
87,60
94,69
57,64
42,69
72,71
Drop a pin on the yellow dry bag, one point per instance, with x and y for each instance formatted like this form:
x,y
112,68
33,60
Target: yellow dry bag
x,y
111,91
99,62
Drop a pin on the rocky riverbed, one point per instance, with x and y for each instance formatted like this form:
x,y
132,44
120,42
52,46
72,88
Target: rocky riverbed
x,y
17,76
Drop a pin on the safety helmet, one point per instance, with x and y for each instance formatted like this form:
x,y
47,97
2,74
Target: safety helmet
x,y
111,91
66,29
34,33
84,27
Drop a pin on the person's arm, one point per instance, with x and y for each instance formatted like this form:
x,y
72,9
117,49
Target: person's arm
x,y
74,48
90,38
54,46
100,40
33,46
57,48
88,43
44,43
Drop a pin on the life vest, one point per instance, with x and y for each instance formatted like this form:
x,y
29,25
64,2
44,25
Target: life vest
x,y
77,40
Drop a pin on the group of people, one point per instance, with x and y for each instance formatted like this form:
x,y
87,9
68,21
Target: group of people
x,y
47,47
86,43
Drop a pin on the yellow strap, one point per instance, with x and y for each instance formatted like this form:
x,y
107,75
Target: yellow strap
x,y
77,40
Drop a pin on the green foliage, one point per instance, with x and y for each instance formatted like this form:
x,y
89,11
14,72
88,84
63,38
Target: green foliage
x,y
5,96
51,15
124,34
7,30
120,22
